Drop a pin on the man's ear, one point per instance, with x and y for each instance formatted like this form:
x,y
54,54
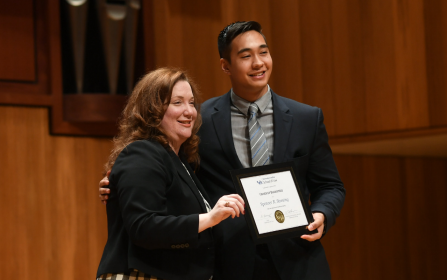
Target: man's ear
x,y
224,65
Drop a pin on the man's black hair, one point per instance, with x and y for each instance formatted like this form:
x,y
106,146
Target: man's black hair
x,y
230,32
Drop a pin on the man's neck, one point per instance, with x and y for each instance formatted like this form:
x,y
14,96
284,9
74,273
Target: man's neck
x,y
250,96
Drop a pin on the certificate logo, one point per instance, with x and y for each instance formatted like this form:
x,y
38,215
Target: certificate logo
x,y
279,216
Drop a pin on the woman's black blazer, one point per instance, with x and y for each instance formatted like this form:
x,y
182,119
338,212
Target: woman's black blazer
x,y
153,216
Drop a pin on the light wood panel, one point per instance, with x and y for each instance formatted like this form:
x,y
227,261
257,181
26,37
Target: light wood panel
x,y
23,53
386,82
391,226
373,66
51,219
317,57
434,145
364,62
290,83
185,36
349,71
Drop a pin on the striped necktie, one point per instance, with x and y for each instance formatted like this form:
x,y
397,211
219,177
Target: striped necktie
x,y
258,142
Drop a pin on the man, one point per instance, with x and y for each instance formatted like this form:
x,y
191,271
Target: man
x,y
286,130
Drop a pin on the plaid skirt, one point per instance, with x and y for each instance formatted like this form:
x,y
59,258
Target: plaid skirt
x,y
133,275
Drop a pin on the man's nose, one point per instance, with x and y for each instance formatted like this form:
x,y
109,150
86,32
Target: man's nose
x,y
257,62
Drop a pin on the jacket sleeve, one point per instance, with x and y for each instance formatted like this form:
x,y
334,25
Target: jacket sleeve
x,y
142,178
327,193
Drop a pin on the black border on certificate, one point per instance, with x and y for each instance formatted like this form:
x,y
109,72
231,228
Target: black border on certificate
x,y
239,174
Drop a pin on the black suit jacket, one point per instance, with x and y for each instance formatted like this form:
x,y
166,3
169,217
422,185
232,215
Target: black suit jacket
x,y
152,216
299,136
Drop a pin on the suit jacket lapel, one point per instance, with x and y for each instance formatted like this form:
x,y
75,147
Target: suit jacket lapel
x,y
282,124
222,125
187,179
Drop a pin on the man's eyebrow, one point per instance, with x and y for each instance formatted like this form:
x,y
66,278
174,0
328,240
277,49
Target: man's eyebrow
x,y
263,46
244,50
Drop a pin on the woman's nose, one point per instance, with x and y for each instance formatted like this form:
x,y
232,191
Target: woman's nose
x,y
188,110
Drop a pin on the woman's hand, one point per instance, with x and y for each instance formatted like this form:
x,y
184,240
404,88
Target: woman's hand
x,y
228,205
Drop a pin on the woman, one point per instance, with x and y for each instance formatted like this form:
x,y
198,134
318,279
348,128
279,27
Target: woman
x,y
154,225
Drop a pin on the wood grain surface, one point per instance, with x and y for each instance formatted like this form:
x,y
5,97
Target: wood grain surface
x,y
392,224
53,225
373,66
363,62
377,68
17,47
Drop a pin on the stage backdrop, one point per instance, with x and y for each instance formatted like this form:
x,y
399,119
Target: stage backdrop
x,y
375,67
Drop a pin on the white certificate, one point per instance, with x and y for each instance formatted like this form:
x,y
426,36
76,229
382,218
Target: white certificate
x,y
274,201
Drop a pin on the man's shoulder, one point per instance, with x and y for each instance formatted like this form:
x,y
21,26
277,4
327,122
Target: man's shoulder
x,y
208,106
295,106
210,103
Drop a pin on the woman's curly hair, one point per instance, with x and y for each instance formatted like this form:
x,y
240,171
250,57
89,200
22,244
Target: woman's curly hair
x,y
144,111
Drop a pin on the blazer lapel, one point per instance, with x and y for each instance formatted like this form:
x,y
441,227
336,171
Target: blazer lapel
x,y
282,121
222,125
187,179
198,184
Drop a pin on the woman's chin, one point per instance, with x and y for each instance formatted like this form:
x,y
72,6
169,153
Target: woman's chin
x,y
185,137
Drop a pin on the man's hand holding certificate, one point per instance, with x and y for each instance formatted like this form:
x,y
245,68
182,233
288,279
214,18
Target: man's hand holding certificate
x,y
274,202
275,206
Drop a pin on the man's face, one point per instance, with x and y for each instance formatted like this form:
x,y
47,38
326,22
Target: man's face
x,y
251,63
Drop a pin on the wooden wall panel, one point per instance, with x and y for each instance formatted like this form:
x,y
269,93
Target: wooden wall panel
x,y
185,36
362,62
426,213
288,83
51,219
435,12
391,225
46,88
361,233
17,47
317,57
378,47
348,66
373,66
24,77
411,73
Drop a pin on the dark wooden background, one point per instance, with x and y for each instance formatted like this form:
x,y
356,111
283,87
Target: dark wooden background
x,y
377,68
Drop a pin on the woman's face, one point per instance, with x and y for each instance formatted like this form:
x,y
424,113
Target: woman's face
x,y
180,116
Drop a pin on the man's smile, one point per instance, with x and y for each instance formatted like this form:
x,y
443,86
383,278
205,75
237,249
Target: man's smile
x,y
257,74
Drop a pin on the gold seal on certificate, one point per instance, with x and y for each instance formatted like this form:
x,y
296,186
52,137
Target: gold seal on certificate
x,y
275,207
279,216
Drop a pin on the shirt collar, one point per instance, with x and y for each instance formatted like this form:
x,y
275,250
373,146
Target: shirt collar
x,y
242,104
